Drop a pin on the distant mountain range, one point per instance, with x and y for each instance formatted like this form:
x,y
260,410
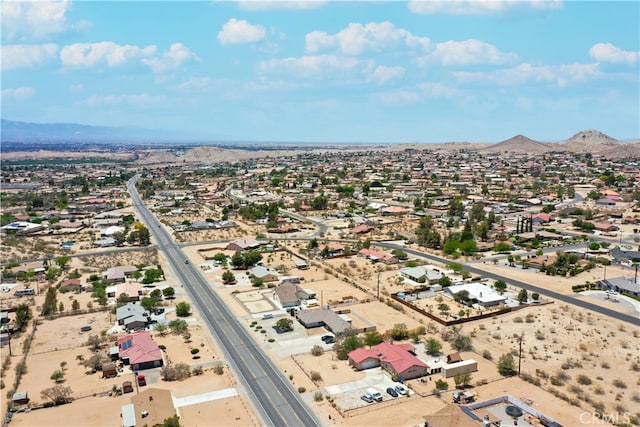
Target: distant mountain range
x,y
588,141
73,132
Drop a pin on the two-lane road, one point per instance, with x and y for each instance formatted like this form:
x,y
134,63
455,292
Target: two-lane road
x,y
274,398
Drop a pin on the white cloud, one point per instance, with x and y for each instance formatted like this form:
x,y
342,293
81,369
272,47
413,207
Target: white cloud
x,y
467,52
19,93
478,7
171,59
316,66
357,38
560,75
90,54
194,84
256,5
21,56
383,74
422,91
606,52
33,20
140,100
240,31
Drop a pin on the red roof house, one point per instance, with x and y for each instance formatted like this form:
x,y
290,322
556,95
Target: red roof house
x,y
395,359
139,350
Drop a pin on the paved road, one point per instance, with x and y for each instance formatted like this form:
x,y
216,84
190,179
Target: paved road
x,y
277,403
569,299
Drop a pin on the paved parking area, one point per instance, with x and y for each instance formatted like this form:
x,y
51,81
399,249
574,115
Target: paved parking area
x,y
348,395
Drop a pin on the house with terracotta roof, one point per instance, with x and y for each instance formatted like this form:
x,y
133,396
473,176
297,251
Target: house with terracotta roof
x,y
375,256
361,229
244,244
398,360
139,350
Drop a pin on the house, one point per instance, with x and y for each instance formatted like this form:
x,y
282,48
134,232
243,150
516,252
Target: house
x,y
244,244
463,366
362,229
623,285
376,256
286,295
71,285
605,226
266,274
139,350
21,227
481,294
119,273
129,310
541,218
319,317
148,408
397,360
422,274
132,289
301,264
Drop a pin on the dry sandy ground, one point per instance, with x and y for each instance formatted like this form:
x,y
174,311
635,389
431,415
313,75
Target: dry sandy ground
x,y
569,337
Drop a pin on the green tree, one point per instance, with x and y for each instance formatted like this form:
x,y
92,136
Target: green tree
x,y
62,261
433,347
178,326
284,324
149,303
462,342
399,331
57,376
500,286
506,365
183,309
372,338
350,343
58,394
173,421
169,292
75,305
228,277
462,379
522,296
23,315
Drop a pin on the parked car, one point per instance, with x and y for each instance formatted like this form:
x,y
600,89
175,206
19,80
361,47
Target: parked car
x,y
142,381
328,339
367,398
186,261
392,392
402,390
158,311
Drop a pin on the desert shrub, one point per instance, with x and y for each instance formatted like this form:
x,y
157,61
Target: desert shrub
x,y
315,376
487,355
442,385
583,379
618,383
531,379
197,370
574,389
218,369
302,389
542,374
316,350
635,366
605,365
518,319
598,390
318,396
530,318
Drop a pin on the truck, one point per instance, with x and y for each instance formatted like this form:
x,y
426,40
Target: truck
x,y
372,395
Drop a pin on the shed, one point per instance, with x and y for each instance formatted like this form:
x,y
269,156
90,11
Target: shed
x,y
109,370
127,387
20,398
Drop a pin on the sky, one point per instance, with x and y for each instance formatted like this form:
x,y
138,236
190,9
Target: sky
x,y
327,71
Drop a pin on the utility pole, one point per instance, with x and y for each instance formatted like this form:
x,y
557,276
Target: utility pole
x,y
520,354
378,285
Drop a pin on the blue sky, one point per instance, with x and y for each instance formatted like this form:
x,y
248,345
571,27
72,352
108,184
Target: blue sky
x,y
327,71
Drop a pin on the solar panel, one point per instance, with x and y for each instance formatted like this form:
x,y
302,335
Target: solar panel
x,y
127,344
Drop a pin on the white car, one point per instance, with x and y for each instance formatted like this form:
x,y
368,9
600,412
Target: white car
x,y
402,390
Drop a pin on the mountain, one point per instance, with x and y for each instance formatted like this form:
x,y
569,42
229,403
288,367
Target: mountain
x,y
588,141
71,132
517,144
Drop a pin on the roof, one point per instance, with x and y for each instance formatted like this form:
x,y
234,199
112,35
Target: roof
x,y
128,310
397,356
245,243
157,403
477,291
286,293
139,347
322,315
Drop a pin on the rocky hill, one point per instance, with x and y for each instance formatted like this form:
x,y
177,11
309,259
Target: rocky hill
x,y
517,144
